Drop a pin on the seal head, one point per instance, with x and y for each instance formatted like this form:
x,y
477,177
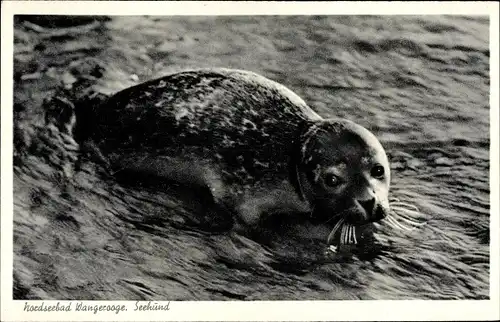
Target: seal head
x,y
343,171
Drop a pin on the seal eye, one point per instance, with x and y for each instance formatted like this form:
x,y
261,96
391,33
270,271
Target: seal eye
x,y
331,180
377,171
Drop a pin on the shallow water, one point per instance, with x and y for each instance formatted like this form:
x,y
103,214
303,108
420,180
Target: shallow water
x,y
421,84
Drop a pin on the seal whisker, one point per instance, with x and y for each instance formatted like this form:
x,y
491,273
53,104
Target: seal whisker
x,y
334,230
343,236
416,217
390,223
348,238
408,220
405,204
401,226
405,210
330,219
354,235
407,213
413,223
351,233
338,225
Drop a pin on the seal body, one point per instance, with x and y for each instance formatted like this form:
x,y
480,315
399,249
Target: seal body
x,y
252,142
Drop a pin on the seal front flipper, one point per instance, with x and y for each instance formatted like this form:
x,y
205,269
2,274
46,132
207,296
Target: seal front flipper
x,y
207,215
260,214
194,182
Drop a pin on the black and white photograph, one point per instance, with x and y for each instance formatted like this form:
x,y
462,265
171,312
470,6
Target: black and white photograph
x,y
162,159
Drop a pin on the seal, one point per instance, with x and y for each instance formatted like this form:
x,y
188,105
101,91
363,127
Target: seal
x,y
256,146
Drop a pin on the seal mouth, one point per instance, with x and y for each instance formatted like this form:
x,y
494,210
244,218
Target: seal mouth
x,y
347,230
400,215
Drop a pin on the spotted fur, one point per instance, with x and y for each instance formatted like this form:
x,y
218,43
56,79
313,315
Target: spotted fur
x,y
240,134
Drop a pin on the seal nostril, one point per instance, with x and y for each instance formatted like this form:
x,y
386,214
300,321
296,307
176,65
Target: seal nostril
x,y
368,205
